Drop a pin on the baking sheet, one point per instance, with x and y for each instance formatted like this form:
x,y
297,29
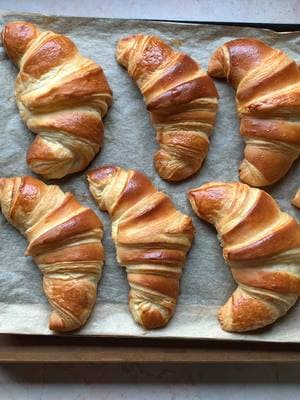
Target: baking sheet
x,y
130,142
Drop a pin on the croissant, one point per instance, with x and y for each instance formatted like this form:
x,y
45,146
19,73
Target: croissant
x,y
62,97
267,84
181,98
296,199
261,244
64,240
152,239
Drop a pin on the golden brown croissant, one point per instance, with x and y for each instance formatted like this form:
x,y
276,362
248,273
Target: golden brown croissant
x,y
181,98
261,244
296,199
267,84
64,240
62,97
152,239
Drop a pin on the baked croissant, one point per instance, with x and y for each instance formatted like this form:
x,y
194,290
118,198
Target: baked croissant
x,y
64,240
261,244
152,239
296,199
267,84
62,97
181,98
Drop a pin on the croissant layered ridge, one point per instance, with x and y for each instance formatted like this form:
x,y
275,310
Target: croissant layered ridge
x,y
62,97
181,98
267,84
261,245
64,239
152,239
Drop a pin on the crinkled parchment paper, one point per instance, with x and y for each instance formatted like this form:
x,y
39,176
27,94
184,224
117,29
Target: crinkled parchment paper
x,y
130,142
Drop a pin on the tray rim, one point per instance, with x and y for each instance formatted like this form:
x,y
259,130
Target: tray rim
x,y
26,348
268,25
58,350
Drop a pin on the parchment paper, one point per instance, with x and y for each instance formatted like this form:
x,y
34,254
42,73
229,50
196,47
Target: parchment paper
x,y
130,142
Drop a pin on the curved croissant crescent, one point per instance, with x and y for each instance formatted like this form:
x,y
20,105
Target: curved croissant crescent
x,y
296,199
181,98
152,239
261,244
62,97
267,84
64,240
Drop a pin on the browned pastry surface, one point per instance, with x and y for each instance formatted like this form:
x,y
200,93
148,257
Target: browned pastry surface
x,y
181,98
64,240
152,239
261,244
62,97
267,84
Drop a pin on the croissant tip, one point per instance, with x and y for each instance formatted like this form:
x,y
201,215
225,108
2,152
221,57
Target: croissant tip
x,y
148,314
58,324
215,67
100,174
250,175
225,319
295,201
2,184
173,170
15,37
123,45
152,319
125,40
191,194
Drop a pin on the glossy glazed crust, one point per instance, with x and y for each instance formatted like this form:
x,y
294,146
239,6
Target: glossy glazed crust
x,y
267,84
152,239
64,240
296,199
181,98
62,97
261,244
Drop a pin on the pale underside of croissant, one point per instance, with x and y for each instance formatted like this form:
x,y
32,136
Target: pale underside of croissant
x,y
181,98
152,239
261,244
65,242
296,199
62,97
267,84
